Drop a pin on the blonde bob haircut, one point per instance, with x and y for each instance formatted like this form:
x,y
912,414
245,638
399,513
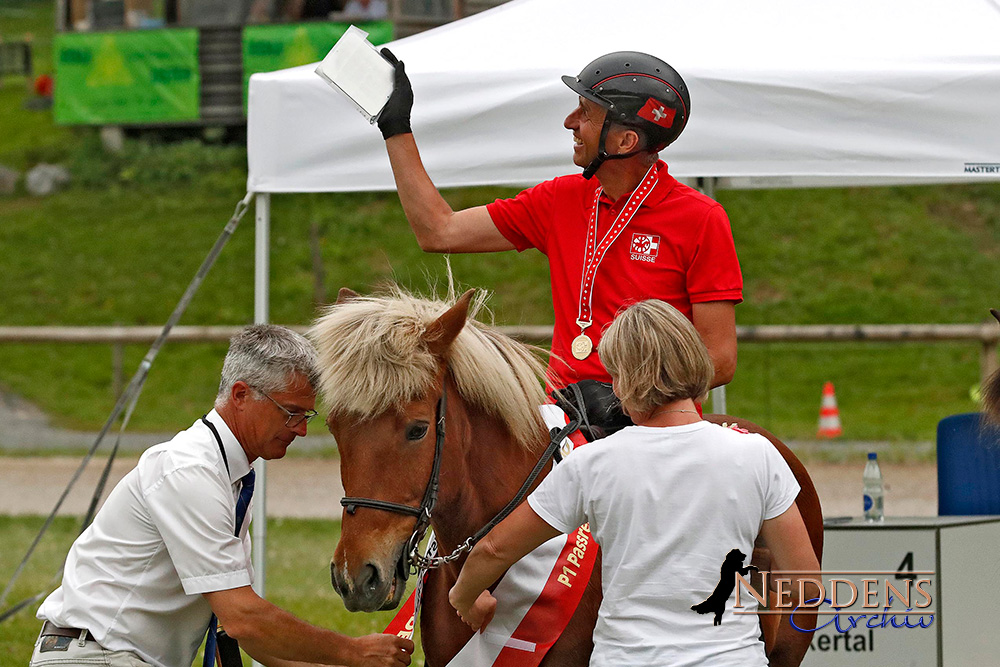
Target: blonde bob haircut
x,y
655,356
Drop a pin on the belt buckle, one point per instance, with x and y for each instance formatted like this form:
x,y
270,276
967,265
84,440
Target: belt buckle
x,y
53,643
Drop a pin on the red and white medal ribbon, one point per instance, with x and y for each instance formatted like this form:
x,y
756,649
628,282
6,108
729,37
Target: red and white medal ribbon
x,y
582,345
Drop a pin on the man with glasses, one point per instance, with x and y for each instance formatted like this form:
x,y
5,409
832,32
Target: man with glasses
x,y
167,558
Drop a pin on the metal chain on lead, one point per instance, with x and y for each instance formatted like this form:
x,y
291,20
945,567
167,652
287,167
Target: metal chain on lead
x,y
419,561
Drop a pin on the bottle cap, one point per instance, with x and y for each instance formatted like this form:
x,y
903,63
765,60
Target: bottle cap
x,y
872,456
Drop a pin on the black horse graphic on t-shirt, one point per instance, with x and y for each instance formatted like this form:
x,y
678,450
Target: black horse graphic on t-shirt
x,y
716,602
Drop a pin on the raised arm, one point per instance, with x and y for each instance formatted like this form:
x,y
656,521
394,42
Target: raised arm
x,y
437,227
266,631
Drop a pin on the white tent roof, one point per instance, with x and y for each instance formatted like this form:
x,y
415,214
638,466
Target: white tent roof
x,y
784,93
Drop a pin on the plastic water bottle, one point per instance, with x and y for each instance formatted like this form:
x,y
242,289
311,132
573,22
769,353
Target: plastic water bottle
x,y
874,490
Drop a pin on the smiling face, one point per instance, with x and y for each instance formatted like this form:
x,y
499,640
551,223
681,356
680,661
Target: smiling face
x,y
262,430
585,121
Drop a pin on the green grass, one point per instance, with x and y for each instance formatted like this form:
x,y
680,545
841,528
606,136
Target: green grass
x,y
884,392
122,243
298,578
868,255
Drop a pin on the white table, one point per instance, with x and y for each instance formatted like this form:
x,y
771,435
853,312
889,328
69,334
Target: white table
x,y
958,559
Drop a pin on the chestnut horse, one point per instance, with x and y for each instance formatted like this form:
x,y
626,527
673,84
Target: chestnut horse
x,y
396,369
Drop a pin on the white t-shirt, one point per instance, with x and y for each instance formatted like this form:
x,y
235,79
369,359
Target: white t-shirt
x,y
667,505
134,578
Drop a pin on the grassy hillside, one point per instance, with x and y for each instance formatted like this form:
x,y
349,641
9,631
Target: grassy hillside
x,y
125,253
123,242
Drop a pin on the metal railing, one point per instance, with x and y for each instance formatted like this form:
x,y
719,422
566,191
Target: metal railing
x,y
987,335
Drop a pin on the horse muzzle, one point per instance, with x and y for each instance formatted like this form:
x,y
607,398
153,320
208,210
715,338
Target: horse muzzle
x,y
373,588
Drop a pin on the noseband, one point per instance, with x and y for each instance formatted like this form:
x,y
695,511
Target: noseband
x,y
411,560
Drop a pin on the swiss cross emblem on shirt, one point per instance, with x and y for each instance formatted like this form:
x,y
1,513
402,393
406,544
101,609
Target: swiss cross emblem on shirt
x,y
657,112
644,247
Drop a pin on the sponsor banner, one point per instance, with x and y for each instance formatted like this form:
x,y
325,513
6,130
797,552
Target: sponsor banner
x,y
267,48
982,168
126,77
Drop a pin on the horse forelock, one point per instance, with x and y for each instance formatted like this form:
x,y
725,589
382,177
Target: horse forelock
x,y
373,358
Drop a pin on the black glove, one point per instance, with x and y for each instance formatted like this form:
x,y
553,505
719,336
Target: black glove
x,y
395,116
601,411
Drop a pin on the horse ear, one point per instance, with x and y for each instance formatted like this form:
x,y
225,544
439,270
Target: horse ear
x,y
995,313
346,294
443,331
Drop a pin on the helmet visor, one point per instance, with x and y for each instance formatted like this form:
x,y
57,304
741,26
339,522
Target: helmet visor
x,y
584,91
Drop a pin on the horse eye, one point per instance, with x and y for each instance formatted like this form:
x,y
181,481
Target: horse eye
x,y
416,431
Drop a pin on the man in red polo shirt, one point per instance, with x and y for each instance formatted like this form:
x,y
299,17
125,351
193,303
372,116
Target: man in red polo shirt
x,y
631,233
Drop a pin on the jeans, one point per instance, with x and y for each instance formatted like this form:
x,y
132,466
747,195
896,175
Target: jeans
x,y
68,652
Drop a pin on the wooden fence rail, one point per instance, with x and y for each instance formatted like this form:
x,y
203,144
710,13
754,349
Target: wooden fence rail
x,y
987,335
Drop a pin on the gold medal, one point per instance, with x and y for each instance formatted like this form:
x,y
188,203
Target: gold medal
x,y
582,346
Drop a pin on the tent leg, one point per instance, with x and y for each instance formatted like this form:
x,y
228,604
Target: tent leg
x,y
707,187
261,315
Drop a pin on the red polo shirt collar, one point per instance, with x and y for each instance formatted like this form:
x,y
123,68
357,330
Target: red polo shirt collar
x,y
664,184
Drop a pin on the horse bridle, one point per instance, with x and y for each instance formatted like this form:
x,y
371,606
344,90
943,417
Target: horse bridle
x,y
411,561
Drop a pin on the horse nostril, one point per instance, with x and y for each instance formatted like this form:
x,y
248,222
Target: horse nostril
x,y
368,580
333,574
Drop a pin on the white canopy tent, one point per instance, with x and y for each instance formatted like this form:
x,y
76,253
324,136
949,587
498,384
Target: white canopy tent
x,y
784,93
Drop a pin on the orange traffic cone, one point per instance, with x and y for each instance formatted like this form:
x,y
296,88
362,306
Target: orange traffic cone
x,y
829,415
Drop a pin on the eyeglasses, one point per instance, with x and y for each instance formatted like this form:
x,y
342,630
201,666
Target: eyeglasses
x,y
295,419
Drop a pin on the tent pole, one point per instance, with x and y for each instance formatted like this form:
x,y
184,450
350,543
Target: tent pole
x,y
707,187
261,315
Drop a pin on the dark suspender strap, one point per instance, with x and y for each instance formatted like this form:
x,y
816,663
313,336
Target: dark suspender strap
x,y
227,649
222,449
218,439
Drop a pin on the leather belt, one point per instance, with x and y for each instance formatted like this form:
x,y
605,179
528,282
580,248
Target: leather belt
x,y
50,629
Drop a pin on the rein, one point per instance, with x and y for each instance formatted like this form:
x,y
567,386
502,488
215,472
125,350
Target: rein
x,y
412,561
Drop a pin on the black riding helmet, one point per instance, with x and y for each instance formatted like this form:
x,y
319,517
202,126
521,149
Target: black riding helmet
x,y
639,91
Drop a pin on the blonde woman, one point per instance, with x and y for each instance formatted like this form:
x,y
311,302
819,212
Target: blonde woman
x,y
670,500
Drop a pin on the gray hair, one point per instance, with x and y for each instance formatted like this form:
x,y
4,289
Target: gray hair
x,y
655,356
265,356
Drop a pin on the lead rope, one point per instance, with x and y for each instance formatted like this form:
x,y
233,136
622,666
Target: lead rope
x,y
126,403
424,562
404,623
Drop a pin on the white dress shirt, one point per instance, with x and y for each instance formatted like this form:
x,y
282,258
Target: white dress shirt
x,y
667,504
166,535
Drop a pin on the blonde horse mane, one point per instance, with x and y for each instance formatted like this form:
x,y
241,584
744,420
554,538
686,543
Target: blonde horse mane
x,y
991,397
373,358
991,389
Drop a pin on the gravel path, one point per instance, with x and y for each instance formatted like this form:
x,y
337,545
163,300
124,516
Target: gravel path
x,y
310,487
296,487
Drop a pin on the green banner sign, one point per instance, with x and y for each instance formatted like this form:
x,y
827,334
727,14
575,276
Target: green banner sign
x,y
127,77
267,48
